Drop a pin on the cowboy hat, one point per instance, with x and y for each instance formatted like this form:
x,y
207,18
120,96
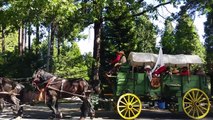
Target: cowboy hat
x,y
121,52
147,67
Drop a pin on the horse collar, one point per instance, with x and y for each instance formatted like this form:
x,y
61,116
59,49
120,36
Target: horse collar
x,y
50,81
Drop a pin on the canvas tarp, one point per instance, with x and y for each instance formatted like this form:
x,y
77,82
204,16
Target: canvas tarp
x,y
139,59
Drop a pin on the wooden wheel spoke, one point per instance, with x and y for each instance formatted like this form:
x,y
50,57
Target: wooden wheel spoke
x,y
197,111
200,109
200,97
136,105
190,106
132,99
203,108
122,106
128,99
190,109
125,100
129,111
123,103
188,103
202,100
126,112
132,112
188,99
191,97
134,102
197,95
123,109
137,110
193,110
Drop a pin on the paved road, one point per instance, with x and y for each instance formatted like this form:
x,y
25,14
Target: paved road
x,y
71,111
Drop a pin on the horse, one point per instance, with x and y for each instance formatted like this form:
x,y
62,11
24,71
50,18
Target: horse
x,y
10,92
56,88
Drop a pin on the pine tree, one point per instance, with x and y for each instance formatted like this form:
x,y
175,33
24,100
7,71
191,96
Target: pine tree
x,y
209,40
187,39
168,39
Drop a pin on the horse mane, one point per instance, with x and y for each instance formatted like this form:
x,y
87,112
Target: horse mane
x,y
45,75
4,80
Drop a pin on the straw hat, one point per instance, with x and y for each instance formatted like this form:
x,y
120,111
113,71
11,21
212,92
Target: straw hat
x,y
175,70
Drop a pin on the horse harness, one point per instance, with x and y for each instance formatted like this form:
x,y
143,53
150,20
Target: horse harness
x,y
51,81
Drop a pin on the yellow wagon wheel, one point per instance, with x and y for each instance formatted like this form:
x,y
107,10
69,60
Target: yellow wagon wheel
x,y
129,106
196,103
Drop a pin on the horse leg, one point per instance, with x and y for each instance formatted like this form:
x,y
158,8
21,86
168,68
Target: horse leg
x,y
1,104
58,114
53,105
86,107
84,110
91,108
16,101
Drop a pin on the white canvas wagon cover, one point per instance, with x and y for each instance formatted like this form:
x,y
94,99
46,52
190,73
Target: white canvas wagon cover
x,y
139,59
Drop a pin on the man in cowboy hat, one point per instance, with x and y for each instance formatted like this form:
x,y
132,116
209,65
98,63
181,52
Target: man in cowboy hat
x,y
117,62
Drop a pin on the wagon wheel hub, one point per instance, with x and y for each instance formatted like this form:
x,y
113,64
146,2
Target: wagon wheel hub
x,y
129,106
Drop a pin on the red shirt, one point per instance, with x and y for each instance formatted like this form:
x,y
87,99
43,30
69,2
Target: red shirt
x,y
185,72
160,70
117,59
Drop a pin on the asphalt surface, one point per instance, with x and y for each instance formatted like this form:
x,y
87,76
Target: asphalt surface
x,y
71,111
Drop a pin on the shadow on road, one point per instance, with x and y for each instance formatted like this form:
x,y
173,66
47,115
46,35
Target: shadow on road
x,y
71,111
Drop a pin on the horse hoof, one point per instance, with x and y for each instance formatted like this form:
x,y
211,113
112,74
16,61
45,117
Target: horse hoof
x,y
51,117
61,115
82,118
18,118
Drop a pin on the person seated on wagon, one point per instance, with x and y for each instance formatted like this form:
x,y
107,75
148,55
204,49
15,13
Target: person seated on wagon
x,y
147,70
175,71
160,70
185,71
117,62
199,71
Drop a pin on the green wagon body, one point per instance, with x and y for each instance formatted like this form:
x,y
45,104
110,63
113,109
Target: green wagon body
x,y
172,87
171,90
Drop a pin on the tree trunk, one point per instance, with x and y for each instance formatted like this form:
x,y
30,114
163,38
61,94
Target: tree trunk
x,y
37,38
51,46
3,39
20,40
96,49
29,36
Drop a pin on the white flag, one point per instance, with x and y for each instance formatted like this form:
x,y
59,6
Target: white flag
x,y
160,61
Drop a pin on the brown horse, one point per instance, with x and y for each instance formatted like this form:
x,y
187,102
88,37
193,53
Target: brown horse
x,y
10,92
56,88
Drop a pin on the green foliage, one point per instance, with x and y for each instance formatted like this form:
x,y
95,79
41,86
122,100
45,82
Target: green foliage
x,y
168,38
136,34
187,39
15,66
11,42
70,63
209,40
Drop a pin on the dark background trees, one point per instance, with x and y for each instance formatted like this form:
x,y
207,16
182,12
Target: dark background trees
x,y
43,33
